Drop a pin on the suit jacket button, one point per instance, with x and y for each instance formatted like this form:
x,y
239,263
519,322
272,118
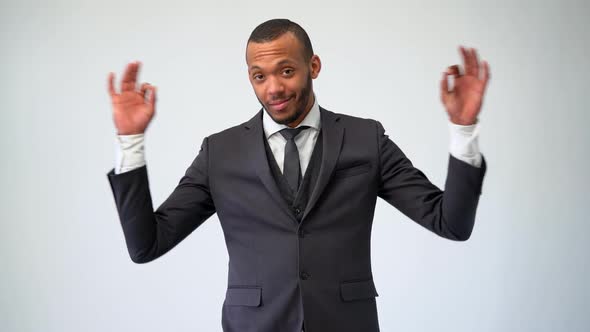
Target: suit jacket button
x,y
305,276
302,232
297,211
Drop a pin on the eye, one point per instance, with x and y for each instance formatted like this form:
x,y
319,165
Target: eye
x,y
288,71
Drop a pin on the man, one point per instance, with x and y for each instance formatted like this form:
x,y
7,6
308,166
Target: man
x,y
295,189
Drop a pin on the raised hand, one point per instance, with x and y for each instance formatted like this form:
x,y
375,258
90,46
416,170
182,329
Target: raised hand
x,y
463,102
132,109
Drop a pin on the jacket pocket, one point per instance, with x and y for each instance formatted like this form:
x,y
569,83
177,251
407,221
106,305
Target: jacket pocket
x,y
243,295
358,290
353,170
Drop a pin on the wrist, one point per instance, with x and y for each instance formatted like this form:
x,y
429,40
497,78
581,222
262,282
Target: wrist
x,y
130,132
463,122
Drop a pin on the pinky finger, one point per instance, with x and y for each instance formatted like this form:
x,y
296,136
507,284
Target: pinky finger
x,y
444,86
486,72
152,98
111,84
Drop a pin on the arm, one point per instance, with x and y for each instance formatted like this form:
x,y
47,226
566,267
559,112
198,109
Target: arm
x,y
149,234
450,214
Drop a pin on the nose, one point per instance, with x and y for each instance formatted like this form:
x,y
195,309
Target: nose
x,y
275,88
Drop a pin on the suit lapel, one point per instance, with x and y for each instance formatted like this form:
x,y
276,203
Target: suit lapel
x,y
332,133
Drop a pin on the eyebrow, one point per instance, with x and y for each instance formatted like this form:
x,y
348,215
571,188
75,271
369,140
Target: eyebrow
x,y
285,61
280,63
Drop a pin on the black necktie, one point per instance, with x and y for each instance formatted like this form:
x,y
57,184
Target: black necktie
x,y
291,165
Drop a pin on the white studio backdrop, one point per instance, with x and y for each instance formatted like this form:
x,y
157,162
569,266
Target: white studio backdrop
x,y
64,261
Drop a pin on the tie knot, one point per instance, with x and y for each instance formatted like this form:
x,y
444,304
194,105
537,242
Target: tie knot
x,y
290,133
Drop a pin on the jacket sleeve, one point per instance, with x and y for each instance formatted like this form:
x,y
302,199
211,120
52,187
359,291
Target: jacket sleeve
x,y
149,234
449,214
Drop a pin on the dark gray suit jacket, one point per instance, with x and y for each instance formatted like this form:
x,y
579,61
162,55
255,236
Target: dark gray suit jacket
x,y
282,271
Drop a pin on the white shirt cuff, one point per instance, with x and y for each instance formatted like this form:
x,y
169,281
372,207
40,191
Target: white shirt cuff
x,y
463,143
129,152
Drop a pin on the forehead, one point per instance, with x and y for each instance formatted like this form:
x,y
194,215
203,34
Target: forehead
x,y
286,48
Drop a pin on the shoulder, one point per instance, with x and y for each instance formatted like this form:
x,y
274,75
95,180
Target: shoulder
x,y
237,129
351,122
234,138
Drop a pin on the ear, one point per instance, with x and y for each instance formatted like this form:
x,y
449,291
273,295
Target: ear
x,y
315,65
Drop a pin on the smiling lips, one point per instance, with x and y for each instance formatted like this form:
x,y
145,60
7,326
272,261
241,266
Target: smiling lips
x,y
280,105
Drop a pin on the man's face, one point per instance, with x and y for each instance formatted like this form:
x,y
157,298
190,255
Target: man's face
x,y
281,78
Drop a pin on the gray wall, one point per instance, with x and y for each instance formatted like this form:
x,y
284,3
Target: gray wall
x,y
65,266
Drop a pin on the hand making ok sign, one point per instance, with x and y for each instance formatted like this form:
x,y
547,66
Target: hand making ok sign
x,y
133,108
463,102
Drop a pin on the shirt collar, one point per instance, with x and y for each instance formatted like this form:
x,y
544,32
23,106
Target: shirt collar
x,y
312,119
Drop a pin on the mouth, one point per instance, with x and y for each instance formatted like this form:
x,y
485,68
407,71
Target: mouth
x,y
278,106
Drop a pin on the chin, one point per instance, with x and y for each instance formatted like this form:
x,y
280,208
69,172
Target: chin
x,y
282,118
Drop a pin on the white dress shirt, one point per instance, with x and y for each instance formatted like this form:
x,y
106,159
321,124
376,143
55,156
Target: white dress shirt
x,y
129,149
305,141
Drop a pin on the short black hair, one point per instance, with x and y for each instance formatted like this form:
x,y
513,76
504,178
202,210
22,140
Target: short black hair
x,y
273,29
